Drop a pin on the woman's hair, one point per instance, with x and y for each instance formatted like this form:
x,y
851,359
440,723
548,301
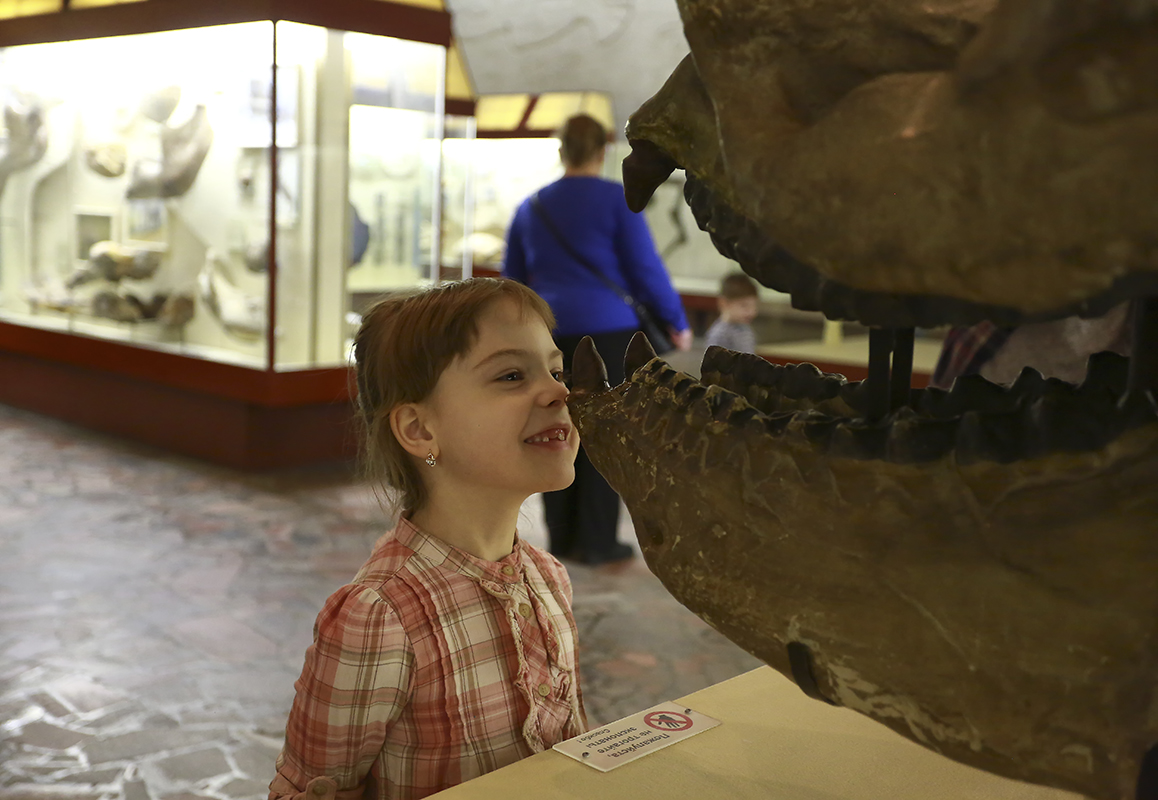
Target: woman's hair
x,y
580,139
400,351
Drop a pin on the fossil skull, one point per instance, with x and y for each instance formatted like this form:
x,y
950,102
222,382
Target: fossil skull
x,y
973,568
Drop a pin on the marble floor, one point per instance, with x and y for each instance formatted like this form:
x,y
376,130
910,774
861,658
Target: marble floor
x,y
154,611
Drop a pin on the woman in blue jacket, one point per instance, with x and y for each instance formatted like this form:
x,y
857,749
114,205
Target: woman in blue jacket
x,y
590,213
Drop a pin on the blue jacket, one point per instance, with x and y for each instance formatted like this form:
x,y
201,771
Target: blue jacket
x,y
593,216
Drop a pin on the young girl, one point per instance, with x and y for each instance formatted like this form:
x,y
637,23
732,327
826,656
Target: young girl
x,y
452,653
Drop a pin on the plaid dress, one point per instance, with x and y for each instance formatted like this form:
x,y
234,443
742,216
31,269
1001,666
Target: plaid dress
x,y
432,667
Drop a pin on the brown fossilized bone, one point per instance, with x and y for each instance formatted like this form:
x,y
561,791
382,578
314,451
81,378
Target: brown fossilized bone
x,y
977,569
1001,610
836,150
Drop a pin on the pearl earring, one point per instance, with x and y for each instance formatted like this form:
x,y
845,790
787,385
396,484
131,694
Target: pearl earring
x,y
430,459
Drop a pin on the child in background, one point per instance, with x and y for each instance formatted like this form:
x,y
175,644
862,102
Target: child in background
x,y
452,653
737,303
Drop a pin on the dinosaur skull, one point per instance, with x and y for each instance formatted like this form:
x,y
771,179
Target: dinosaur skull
x,y
973,568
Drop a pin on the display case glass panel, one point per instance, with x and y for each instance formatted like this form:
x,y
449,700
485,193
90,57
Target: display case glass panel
x,y
506,172
131,196
395,162
458,196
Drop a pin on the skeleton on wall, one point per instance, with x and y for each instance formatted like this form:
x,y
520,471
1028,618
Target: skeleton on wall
x,y
977,568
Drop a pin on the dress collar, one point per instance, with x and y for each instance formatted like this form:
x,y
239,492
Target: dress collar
x,y
439,553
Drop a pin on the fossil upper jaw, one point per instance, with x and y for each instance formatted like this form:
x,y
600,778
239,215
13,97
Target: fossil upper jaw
x,y
908,582
840,154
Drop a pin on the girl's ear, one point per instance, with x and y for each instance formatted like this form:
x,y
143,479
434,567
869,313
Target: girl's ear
x,y
409,427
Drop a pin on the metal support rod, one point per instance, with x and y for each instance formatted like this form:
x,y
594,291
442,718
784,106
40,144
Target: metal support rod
x,y
1143,380
877,384
271,266
902,376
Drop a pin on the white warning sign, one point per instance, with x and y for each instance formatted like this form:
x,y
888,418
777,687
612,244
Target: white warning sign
x,y
633,737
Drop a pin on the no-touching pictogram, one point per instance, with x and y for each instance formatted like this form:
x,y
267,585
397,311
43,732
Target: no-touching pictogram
x,y
668,721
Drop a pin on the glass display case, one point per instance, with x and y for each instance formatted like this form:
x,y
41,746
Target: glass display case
x,y
183,204
136,192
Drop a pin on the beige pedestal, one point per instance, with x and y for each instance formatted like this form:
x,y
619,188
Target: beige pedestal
x,y
774,744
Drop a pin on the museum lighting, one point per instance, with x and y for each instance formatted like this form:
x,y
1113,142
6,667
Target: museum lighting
x,y
526,116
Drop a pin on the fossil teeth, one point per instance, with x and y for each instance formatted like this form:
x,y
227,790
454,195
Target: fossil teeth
x,y
913,440
661,374
696,392
777,423
860,439
1106,371
806,382
999,437
750,370
974,393
655,416
644,169
1029,383
588,372
639,352
721,402
718,359
819,429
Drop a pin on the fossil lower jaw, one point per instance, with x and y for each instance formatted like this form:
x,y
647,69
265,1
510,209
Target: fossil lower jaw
x,y
998,611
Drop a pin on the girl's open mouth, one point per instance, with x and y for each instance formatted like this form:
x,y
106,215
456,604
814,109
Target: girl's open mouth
x,y
556,437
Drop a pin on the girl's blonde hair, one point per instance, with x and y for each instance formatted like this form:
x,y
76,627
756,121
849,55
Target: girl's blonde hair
x,y
400,351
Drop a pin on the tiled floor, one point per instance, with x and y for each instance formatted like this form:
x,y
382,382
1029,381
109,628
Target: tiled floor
x,y
154,612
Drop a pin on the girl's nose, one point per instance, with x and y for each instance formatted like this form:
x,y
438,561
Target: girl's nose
x,y
557,392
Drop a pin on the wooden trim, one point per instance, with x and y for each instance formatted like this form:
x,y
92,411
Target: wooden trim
x,y
414,23
523,132
150,16
461,108
218,429
516,133
274,389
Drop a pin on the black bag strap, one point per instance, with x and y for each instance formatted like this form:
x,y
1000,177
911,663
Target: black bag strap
x,y
571,251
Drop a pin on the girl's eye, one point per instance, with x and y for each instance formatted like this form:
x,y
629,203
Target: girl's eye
x,y
512,376
559,375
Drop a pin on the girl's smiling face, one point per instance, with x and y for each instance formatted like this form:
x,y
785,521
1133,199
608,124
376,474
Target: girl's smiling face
x,y
498,414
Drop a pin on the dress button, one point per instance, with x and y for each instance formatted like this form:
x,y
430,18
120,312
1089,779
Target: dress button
x,y
508,570
544,690
525,610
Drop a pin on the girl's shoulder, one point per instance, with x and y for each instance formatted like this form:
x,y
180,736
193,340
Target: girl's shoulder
x,y
389,557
